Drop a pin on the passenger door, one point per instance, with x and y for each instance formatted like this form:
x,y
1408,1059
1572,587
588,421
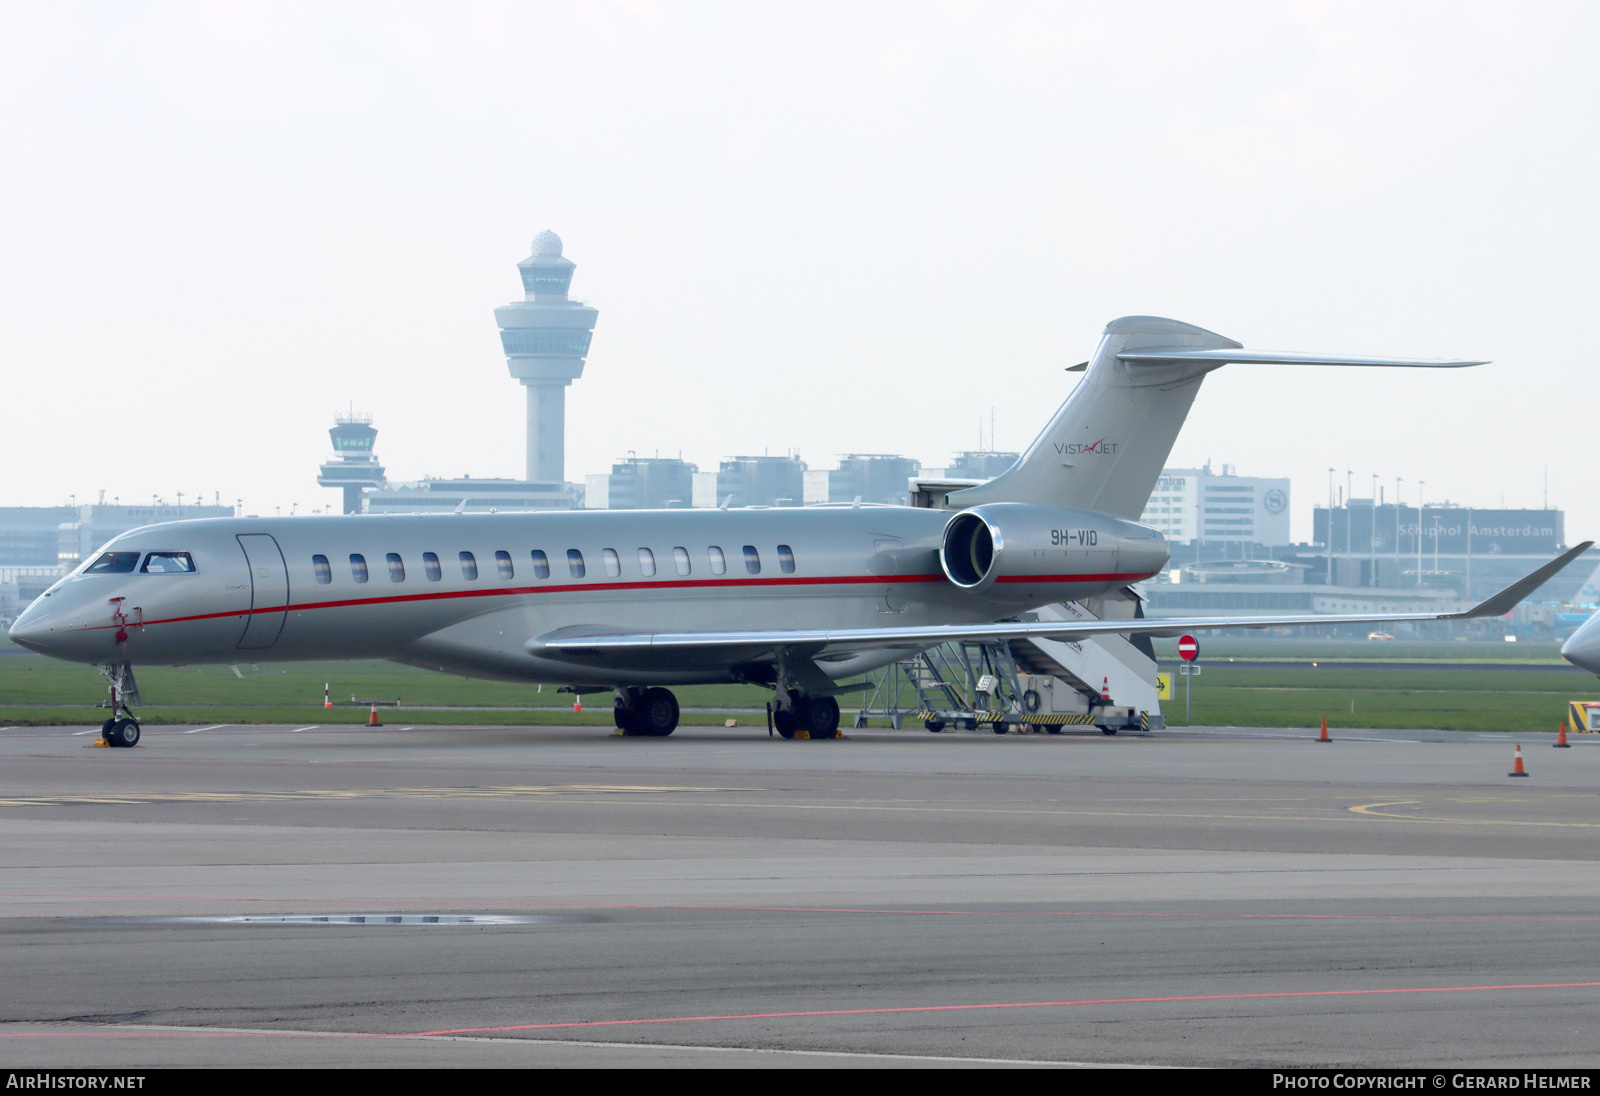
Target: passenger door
x,y
269,590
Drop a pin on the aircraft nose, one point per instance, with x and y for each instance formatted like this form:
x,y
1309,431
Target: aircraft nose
x,y
30,631
1583,649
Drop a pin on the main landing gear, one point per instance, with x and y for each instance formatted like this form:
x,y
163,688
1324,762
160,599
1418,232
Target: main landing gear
x,y
814,716
650,712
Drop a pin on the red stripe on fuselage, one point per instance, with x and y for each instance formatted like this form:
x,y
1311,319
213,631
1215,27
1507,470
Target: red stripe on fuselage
x,y
670,584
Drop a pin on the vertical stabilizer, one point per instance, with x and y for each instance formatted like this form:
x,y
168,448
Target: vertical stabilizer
x,y
1106,446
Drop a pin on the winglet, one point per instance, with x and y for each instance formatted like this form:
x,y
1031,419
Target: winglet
x,y
1506,600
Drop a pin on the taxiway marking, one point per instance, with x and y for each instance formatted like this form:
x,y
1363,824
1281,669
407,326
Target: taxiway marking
x,y
1372,810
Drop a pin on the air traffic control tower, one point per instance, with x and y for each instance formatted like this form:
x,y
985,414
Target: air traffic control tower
x,y
356,467
546,338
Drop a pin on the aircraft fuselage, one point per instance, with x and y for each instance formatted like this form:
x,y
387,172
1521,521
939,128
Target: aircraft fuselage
x,y
464,593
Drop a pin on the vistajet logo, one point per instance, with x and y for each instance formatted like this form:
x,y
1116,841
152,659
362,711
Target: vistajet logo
x,y
1101,448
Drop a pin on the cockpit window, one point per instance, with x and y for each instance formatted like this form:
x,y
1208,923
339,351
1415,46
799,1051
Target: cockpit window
x,y
168,563
113,563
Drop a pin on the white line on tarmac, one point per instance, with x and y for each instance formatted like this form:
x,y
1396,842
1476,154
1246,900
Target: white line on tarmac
x,y
835,1053
313,727
135,1031
218,727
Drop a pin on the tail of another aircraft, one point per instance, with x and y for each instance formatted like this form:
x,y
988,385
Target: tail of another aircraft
x,y
1106,446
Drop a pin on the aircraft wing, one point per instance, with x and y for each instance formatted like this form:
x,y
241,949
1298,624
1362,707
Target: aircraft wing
x,y
579,645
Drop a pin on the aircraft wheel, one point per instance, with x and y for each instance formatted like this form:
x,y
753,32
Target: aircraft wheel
x,y
124,732
105,728
783,721
999,728
933,725
819,716
658,713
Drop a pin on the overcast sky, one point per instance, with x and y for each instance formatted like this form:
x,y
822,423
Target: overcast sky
x,y
819,227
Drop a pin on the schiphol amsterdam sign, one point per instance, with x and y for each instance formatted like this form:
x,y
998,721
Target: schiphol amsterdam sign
x,y
1489,531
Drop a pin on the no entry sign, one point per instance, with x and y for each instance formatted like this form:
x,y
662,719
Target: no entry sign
x,y
1188,649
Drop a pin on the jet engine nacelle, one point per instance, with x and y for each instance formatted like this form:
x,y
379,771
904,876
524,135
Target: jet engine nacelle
x,y
1016,551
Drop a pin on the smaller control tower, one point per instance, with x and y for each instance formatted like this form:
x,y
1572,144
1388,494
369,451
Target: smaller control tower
x,y
356,468
546,339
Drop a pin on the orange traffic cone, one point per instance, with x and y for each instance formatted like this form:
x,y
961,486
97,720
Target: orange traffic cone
x,y
1323,737
1105,689
577,704
1561,737
1516,766
372,720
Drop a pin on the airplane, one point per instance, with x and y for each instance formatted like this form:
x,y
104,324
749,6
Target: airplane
x,y
1582,648
634,602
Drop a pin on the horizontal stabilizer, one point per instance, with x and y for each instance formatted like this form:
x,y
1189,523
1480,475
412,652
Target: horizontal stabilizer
x,y
1178,355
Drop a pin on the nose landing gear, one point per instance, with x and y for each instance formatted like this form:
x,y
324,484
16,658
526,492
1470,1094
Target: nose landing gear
x,y
118,731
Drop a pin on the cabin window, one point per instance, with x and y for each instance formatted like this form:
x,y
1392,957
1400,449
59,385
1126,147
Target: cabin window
x,y
397,567
786,559
752,559
719,562
113,563
469,566
613,564
647,562
575,562
680,556
430,564
541,564
168,563
502,560
358,567
320,568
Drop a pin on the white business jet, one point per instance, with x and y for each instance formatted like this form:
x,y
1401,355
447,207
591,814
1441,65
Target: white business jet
x,y
634,602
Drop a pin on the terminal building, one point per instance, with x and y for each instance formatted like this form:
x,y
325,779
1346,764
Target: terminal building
x,y
1233,515
753,481
643,483
471,496
868,477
